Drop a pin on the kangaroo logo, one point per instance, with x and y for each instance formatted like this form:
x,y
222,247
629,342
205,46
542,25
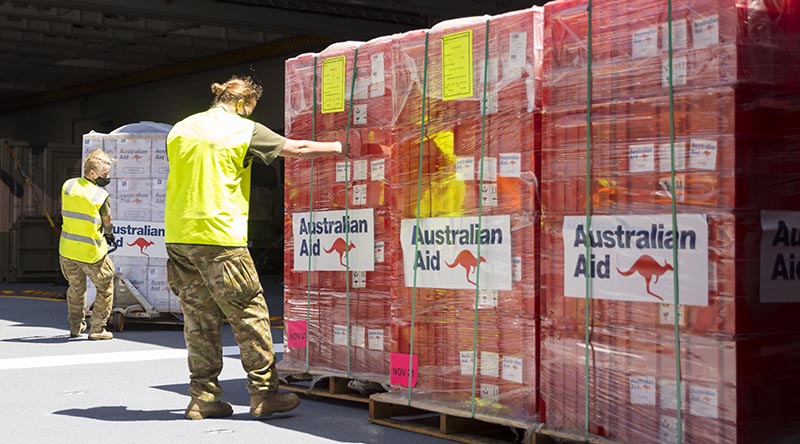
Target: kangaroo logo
x,y
647,267
467,260
142,243
341,247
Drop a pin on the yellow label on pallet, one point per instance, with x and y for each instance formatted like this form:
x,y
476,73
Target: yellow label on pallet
x,y
333,90
457,65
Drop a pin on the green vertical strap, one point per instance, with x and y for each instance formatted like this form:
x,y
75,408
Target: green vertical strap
x,y
588,225
416,226
347,205
311,211
480,219
675,280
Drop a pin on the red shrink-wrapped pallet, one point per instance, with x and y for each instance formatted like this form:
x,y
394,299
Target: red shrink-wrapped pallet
x,y
684,194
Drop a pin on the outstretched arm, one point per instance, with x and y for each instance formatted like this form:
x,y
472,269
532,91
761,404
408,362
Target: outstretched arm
x,y
309,149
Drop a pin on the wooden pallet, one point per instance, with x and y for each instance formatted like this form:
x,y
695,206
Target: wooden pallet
x,y
447,423
321,385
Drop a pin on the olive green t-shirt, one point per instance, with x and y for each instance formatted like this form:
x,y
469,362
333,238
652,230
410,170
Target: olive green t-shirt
x,y
265,144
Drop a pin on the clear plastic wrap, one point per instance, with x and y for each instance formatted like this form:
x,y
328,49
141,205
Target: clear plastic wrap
x,y
734,119
714,42
388,144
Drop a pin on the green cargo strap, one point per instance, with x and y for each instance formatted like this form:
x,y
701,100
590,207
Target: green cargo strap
x,y
347,205
311,211
480,219
675,279
587,328
419,199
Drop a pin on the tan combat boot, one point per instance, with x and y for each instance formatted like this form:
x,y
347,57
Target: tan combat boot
x,y
76,330
263,404
199,409
100,334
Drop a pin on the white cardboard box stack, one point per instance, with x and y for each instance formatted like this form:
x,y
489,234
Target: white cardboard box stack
x,y
138,195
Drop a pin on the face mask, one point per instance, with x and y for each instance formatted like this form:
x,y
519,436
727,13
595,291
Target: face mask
x,y
102,181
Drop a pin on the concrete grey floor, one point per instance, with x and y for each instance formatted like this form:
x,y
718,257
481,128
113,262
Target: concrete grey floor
x,y
133,389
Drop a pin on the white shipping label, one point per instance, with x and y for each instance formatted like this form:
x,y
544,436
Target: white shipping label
x,y
378,69
378,170
665,153
359,194
666,314
665,187
516,268
444,252
490,392
334,239
679,35
380,249
512,369
159,185
376,339
358,336
490,364
705,31
362,88
703,402
703,154
343,171
644,42
339,335
489,169
668,429
643,390
359,279
510,165
631,257
492,103
679,69
489,194
780,256
487,298
641,158
465,168
517,46
467,362
360,114
668,395
360,169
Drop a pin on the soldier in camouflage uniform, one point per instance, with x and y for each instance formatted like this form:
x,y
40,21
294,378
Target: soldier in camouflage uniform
x,y
86,233
209,266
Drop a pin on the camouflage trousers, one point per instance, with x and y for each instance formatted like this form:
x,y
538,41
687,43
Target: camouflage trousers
x,y
215,284
101,273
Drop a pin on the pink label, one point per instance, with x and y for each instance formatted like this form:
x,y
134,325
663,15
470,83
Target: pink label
x,y
296,334
399,374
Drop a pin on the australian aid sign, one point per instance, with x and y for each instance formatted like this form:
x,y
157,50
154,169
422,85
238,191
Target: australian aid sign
x,y
631,258
139,239
445,252
780,256
334,240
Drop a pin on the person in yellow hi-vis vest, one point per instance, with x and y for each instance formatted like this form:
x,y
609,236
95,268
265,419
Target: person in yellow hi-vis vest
x,y
210,268
86,232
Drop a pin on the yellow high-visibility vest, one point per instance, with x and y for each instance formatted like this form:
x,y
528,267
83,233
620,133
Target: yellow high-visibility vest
x,y
82,228
208,188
